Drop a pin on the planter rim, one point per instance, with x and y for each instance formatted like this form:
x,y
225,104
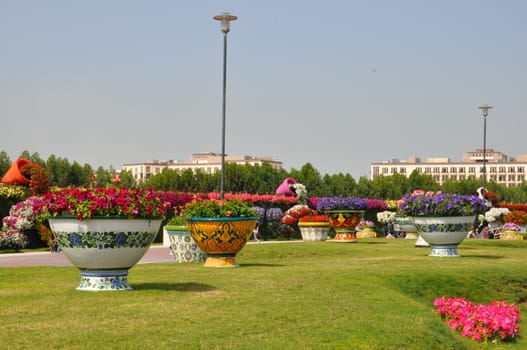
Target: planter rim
x,y
102,217
238,218
346,210
176,228
441,216
313,223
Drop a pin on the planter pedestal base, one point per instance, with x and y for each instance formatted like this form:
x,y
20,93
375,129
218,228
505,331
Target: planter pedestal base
x,y
345,237
446,250
221,261
104,280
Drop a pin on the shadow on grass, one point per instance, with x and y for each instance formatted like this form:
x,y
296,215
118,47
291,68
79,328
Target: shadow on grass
x,y
465,256
261,265
180,287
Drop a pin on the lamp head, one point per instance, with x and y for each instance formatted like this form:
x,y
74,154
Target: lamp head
x,y
485,110
225,19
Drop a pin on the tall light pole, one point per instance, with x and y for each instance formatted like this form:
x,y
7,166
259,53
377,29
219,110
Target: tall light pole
x,y
225,19
485,112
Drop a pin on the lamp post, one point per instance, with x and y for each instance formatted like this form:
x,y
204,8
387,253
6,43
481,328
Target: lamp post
x,y
485,112
225,19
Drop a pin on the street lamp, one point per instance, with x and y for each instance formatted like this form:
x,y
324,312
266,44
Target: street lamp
x,y
485,113
225,19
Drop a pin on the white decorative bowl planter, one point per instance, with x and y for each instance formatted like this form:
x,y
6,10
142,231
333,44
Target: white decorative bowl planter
x,y
443,233
183,247
314,231
104,248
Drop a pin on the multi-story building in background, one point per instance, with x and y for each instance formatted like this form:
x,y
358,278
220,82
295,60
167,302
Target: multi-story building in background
x,y
208,162
499,167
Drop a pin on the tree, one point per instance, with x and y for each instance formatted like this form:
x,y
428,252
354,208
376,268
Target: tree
x,y
5,163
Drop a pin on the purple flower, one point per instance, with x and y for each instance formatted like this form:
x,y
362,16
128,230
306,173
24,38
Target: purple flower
x,y
338,203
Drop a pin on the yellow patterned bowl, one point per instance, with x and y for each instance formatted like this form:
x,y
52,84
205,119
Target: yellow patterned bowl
x,y
221,238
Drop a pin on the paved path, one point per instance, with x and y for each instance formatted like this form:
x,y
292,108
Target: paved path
x,y
155,254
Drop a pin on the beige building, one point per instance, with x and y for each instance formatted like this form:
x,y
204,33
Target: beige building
x,y
208,162
500,168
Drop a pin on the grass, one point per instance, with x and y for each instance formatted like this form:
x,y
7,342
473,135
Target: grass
x,y
374,294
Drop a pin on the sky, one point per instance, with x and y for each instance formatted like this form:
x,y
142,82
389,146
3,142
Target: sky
x,y
338,84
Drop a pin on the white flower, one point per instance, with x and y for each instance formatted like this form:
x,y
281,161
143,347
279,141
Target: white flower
x,y
386,216
495,214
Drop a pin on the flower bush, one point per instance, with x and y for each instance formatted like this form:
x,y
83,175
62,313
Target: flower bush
x,y
385,217
519,217
85,203
22,216
442,204
217,208
315,217
365,224
293,214
497,321
510,226
341,203
39,178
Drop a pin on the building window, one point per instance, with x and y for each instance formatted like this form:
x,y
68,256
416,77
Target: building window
x,y
472,170
520,169
435,170
462,177
461,170
428,170
385,170
511,169
402,170
520,178
453,170
493,177
444,170
511,177
444,178
502,169
501,178
492,169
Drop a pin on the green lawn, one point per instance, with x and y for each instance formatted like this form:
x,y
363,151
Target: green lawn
x,y
374,294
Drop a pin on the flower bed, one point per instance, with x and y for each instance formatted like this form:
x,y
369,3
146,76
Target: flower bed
x,y
497,321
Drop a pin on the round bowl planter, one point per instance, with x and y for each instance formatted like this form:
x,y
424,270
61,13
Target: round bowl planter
x,y
511,235
221,238
183,247
314,231
104,248
443,234
344,222
367,232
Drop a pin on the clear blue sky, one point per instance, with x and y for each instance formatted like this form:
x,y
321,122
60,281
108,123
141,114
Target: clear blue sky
x,y
339,84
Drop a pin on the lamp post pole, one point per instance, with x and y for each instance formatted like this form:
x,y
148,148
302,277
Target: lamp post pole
x,y
485,112
225,19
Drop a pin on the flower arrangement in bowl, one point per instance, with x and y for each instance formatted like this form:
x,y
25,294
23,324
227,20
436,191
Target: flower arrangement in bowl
x,y
441,204
511,231
104,231
344,214
365,229
220,227
442,219
510,226
314,227
182,246
83,204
